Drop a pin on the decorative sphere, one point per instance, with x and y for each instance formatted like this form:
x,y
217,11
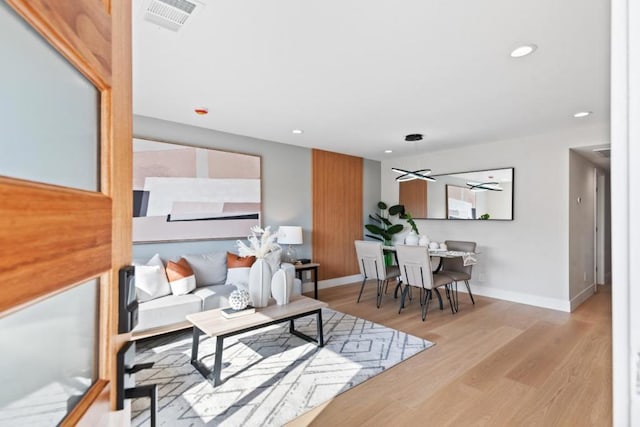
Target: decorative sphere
x,y
239,299
434,245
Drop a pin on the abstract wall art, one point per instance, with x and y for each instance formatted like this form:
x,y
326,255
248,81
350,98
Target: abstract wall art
x,y
190,193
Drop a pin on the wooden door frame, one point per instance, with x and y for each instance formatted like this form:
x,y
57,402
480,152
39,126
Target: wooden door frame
x,y
95,37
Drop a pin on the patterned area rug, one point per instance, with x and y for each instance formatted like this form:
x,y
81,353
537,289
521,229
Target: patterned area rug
x,y
269,376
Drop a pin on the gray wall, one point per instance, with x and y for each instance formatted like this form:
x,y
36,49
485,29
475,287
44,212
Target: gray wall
x,y
286,182
370,189
525,260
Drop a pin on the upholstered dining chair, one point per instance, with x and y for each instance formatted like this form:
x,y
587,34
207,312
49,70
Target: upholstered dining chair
x,y
372,266
416,270
455,268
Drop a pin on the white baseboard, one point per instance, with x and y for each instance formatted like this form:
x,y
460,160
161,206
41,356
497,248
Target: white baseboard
x,y
584,295
486,291
330,283
519,297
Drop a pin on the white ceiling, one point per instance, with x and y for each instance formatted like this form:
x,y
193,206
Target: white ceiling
x,y
358,75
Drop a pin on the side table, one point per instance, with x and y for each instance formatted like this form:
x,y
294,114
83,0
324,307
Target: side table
x,y
311,266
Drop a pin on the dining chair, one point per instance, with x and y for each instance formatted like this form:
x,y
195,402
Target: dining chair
x,y
416,270
455,268
372,266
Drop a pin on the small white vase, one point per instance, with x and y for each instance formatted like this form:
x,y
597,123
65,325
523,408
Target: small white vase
x,y
412,238
424,240
260,283
434,245
281,287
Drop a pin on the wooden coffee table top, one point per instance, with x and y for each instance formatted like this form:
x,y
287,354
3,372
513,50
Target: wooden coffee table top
x,y
212,323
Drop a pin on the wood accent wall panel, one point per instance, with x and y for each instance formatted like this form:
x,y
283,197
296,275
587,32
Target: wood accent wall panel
x,y
337,212
413,195
47,241
80,30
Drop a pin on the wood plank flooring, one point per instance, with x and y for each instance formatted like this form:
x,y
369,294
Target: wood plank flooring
x,y
494,364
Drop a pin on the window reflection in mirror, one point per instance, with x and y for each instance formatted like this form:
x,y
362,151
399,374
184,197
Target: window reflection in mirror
x,y
481,195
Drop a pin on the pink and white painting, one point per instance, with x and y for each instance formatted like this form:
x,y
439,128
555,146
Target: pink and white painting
x,y
189,193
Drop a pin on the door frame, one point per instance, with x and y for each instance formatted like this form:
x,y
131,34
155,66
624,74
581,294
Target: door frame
x,y
95,37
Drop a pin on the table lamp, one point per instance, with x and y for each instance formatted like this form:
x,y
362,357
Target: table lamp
x,y
290,235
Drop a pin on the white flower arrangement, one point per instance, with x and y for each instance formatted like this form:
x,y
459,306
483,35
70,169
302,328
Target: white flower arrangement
x,y
262,242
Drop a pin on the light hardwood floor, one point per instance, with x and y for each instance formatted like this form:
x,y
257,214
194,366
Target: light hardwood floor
x,y
494,364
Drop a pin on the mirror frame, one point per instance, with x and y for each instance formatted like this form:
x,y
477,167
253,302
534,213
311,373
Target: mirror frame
x,y
477,219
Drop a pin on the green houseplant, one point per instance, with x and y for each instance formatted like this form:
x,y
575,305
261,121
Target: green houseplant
x,y
381,228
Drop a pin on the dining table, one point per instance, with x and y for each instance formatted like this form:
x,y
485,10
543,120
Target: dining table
x,y
468,258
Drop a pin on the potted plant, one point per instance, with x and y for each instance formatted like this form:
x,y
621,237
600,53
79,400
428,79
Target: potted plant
x,y
382,228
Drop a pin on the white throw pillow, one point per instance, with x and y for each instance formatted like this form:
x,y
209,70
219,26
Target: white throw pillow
x,y
209,269
183,286
151,279
238,276
148,279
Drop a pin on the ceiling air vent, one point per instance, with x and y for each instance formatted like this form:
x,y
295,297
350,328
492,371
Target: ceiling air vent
x,y
170,14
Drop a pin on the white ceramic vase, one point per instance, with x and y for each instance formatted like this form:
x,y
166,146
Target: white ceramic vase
x,y
412,238
424,240
281,287
260,283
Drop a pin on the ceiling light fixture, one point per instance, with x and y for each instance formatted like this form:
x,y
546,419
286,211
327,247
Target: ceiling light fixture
x,y
484,186
413,137
523,50
406,175
201,111
297,131
388,151
582,114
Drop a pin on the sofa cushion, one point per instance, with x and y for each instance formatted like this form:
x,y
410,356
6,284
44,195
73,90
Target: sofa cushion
x,y
181,277
167,310
149,283
209,269
214,296
150,279
238,269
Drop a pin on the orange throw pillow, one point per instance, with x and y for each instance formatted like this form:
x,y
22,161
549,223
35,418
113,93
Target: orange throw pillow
x,y
236,261
178,270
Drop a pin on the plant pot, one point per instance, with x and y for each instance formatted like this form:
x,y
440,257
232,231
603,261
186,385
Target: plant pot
x,y
412,239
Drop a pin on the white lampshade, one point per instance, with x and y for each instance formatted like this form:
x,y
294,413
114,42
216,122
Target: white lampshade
x,y
291,235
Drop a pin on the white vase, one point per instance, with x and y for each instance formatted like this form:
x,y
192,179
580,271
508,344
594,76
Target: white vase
x,y
424,240
260,283
412,238
281,287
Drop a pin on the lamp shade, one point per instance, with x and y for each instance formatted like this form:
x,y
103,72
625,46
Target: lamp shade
x,y
291,235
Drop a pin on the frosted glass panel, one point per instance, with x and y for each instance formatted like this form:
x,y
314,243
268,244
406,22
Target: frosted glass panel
x,y
49,112
49,357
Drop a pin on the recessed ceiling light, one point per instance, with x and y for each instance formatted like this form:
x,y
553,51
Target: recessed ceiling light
x,y
523,50
388,151
582,114
297,131
201,111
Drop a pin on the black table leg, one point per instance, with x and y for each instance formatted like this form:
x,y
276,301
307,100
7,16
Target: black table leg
x,y
320,331
217,364
315,282
195,344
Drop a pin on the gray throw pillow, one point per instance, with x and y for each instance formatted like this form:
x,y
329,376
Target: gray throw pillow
x,y
209,269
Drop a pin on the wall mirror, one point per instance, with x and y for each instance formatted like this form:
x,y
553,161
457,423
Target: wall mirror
x,y
482,195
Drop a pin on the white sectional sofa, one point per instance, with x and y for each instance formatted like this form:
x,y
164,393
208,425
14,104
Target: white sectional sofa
x,y
161,310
